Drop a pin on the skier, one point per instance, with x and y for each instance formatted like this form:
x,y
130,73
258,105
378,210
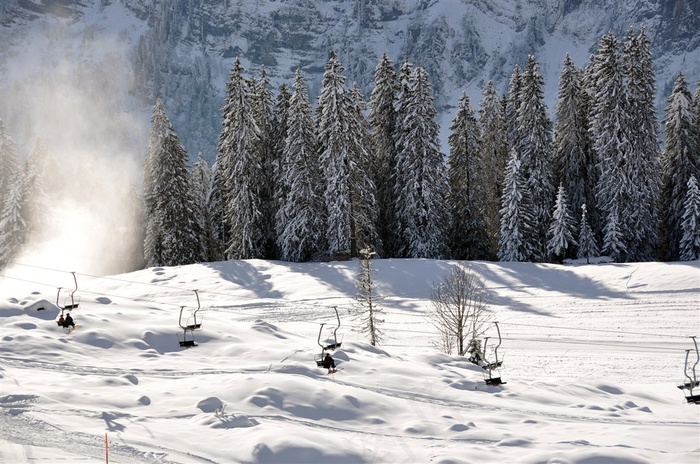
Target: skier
x,y
61,321
69,321
329,363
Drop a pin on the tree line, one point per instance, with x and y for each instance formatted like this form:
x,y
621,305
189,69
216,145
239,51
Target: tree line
x,y
301,183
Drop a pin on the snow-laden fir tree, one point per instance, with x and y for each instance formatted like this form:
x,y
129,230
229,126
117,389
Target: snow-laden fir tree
x,y
219,229
690,240
681,161
587,243
493,151
9,166
303,209
561,230
368,312
610,126
262,104
421,181
516,219
12,224
38,166
467,235
343,158
534,146
643,167
173,236
240,172
382,123
201,182
513,105
572,147
279,135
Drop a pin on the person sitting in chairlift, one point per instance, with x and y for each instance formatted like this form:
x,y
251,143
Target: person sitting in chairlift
x,y
329,363
61,321
69,321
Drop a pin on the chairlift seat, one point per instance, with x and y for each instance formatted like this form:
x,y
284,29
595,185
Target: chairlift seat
x,y
693,399
333,346
187,343
689,386
71,306
495,381
193,326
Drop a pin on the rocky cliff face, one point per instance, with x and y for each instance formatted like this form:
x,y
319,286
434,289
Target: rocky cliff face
x,y
181,50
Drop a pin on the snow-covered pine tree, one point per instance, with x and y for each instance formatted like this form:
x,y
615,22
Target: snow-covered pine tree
x,y
219,228
421,180
643,166
172,231
262,104
382,122
515,218
513,105
467,235
681,161
36,199
279,136
368,312
561,230
201,181
303,210
534,148
12,223
493,151
609,128
587,243
9,166
342,158
241,171
572,157
363,190
690,240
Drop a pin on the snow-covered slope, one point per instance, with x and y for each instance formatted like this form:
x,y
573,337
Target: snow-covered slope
x,y
183,52
592,358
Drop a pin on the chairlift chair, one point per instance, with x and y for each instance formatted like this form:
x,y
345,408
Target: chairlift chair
x,y
191,324
335,344
70,302
690,374
492,369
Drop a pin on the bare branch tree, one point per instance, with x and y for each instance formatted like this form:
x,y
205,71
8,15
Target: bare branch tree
x,y
368,312
460,309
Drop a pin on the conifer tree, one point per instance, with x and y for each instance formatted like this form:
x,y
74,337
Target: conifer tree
x,y
534,147
515,218
201,182
215,205
493,151
173,236
610,128
513,106
279,135
587,244
302,212
9,167
36,198
681,161
643,166
467,232
12,223
690,240
262,104
561,230
421,181
368,312
240,170
343,156
382,122
172,231
572,157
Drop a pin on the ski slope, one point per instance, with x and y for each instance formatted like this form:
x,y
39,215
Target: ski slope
x,y
592,356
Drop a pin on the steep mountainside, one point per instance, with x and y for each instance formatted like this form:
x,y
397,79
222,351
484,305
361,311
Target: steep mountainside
x,y
119,55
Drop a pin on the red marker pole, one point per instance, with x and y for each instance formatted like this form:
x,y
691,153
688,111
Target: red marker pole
x,y
106,450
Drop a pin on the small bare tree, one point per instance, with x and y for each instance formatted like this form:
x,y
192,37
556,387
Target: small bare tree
x,y
368,312
460,310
